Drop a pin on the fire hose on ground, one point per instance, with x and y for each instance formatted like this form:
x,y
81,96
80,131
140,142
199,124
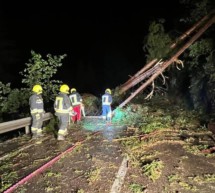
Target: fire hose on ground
x,y
45,166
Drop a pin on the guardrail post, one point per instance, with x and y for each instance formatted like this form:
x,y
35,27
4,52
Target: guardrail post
x,y
27,129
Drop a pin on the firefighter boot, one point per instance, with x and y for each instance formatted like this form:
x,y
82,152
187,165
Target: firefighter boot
x,y
35,136
60,138
39,133
66,132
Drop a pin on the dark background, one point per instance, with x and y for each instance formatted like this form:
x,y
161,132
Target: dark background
x,y
103,42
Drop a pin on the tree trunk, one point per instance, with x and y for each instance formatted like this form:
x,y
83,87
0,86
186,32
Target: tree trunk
x,y
170,61
136,79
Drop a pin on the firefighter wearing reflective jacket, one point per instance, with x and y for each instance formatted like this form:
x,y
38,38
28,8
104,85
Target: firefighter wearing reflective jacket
x,y
62,107
106,105
37,111
76,101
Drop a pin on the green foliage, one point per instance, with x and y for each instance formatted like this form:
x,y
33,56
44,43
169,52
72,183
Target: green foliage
x,y
137,188
118,115
152,126
16,99
8,176
203,179
13,100
202,75
199,60
198,8
4,92
7,180
199,51
132,115
50,127
41,71
91,104
195,83
157,42
37,71
153,169
174,178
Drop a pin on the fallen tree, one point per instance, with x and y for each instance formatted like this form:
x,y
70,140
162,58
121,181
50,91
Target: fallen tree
x,y
152,71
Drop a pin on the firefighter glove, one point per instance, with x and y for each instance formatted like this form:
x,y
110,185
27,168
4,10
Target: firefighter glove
x,y
37,116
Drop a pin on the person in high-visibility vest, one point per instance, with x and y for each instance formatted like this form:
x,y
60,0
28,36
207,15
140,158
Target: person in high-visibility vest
x,y
106,105
63,107
76,101
37,111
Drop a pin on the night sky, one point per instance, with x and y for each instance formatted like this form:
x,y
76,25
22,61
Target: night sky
x,y
103,42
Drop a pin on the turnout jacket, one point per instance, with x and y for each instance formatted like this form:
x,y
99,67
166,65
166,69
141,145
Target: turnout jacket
x,y
62,103
36,104
75,99
106,99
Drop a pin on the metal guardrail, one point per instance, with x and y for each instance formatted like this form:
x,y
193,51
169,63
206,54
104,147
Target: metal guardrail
x,y
20,123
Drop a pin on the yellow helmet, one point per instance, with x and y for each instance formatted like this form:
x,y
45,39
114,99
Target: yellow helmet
x,y
73,90
37,89
64,89
108,91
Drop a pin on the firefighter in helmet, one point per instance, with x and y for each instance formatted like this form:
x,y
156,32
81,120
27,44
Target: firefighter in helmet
x,y
106,105
37,111
62,107
76,101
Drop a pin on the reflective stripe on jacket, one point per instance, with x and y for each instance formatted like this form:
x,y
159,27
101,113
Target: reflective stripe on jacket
x,y
75,98
62,103
106,99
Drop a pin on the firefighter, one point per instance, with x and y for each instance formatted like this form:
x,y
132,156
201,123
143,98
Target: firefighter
x,y
106,105
37,111
62,107
76,101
